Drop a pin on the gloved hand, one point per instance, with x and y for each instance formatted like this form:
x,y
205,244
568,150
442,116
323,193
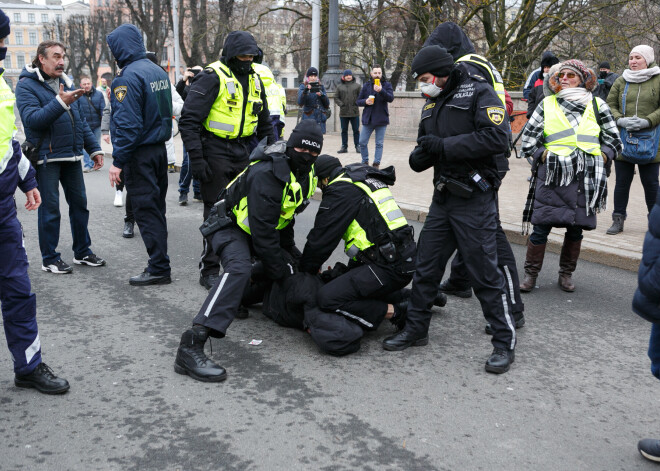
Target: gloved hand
x,y
623,122
637,124
201,170
420,160
432,144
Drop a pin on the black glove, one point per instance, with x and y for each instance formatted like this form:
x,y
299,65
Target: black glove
x,y
201,170
432,144
419,160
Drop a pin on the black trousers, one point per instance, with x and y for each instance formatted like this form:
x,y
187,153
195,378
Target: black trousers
x,y
469,225
146,182
232,245
506,261
130,217
363,293
228,160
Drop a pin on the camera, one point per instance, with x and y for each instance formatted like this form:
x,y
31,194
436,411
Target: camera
x,y
315,87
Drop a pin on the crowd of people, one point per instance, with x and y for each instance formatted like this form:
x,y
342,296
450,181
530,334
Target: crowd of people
x,y
253,184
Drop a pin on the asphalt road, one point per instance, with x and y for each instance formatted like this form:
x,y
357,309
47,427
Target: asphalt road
x,y
578,397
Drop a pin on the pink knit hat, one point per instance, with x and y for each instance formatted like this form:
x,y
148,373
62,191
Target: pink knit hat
x,y
587,76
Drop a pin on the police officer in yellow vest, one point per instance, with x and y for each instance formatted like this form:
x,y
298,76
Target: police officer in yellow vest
x,y
276,98
225,107
254,217
19,306
358,207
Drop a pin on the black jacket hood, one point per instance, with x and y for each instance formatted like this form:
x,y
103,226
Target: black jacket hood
x,y
237,43
126,44
450,36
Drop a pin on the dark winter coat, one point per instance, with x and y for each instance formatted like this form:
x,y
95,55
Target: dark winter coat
x,y
64,132
378,113
18,173
345,97
141,98
536,96
605,86
311,102
92,105
646,302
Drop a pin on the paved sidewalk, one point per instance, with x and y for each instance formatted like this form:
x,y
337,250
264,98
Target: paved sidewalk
x,y
414,190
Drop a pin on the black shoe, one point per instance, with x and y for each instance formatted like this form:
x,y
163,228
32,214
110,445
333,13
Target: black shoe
x,y
520,323
357,149
91,260
192,361
448,287
58,266
500,360
403,340
197,196
650,449
145,278
207,281
242,313
440,299
343,150
398,320
43,380
183,199
129,230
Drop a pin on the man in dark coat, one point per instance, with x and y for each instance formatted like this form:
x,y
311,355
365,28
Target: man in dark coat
x,y
606,79
374,96
349,112
92,105
55,124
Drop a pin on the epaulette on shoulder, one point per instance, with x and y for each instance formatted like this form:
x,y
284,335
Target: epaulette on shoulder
x,y
478,77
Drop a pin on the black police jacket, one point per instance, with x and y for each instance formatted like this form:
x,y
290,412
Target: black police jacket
x,y
342,203
263,185
201,95
470,118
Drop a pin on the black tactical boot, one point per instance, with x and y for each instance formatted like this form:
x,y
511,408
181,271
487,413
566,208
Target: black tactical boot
x,y
191,359
242,313
500,360
343,150
43,380
448,287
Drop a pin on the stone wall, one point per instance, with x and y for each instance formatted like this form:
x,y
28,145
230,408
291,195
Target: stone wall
x,y
405,111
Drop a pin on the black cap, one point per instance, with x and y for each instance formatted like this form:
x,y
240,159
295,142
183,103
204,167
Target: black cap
x,y
306,135
347,72
4,25
604,65
325,164
312,71
432,59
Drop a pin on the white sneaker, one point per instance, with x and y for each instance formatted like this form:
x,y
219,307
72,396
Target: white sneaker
x,y
119,201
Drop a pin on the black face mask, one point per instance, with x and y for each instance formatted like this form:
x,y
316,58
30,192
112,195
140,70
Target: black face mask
x,y
3,53
300,162
239,67
603,74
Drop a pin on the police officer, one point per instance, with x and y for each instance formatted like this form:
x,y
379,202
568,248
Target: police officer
x,y
462,129
452,37
226,105
276,98
140,123
19,305
357,206
257,220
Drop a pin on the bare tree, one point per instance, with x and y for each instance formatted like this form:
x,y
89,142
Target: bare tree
x,y
154,18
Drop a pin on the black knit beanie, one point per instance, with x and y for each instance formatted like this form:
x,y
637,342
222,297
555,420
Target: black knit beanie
x,y
4,25
306,135
325,164
432,59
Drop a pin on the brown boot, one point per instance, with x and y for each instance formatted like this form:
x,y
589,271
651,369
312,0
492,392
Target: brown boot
x,y
570,252
533,264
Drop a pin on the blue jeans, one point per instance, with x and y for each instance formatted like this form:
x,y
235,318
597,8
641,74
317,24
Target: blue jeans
x,y
355,124
540,233
365,134
625,171
49,176
186,176
87,161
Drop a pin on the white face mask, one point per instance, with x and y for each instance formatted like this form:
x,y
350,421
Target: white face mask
x,y
431,90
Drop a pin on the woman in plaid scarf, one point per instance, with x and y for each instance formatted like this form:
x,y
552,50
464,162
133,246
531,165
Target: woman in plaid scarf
x,y
569,183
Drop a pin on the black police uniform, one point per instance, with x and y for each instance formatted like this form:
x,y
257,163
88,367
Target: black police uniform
x,y
470,118
372,281
225,157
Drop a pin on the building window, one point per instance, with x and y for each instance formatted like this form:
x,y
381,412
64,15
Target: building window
x,y
33,38
18,35
7,61
20,61
17,17
285,82
30,17
283,61
44,17
58,18
46,35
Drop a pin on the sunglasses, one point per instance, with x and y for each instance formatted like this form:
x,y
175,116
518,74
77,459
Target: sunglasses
x,y
570,75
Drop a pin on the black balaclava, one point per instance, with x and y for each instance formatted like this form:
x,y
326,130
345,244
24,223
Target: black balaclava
x,y
306,135
239,67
